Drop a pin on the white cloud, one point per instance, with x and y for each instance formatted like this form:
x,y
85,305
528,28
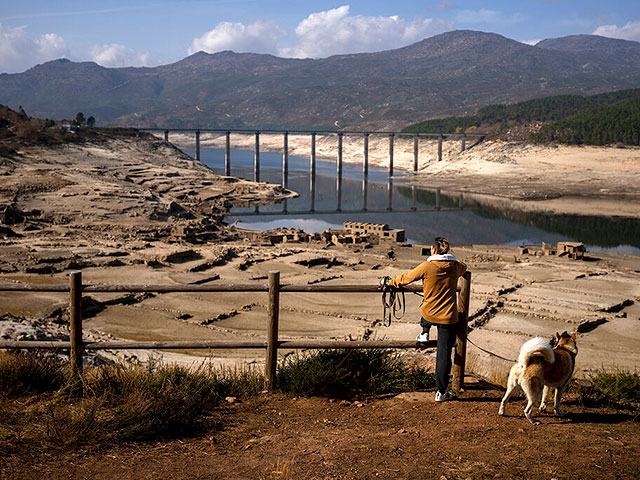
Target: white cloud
x,y
335,31
629,31
116,55
19,50
258,37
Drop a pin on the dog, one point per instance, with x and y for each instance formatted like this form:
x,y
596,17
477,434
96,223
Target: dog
x,y
540,367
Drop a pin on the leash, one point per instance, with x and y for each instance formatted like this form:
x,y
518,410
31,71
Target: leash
x,y
393,302
490,353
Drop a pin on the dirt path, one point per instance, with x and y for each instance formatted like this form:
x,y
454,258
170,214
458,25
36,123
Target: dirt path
x,y
404,437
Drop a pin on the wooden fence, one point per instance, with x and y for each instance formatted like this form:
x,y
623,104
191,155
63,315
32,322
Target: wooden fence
x,y
76,345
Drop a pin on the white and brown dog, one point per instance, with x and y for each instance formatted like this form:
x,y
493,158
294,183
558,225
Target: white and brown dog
x,y
541,366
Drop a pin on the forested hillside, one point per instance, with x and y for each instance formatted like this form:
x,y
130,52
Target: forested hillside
x,y
602,125
602,119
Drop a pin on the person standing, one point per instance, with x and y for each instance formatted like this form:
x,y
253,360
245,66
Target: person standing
x,y
439,275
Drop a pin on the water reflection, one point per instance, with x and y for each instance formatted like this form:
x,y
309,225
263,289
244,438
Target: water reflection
x,y
326,200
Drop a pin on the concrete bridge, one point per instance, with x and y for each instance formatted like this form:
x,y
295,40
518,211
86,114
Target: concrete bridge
x,y
462,137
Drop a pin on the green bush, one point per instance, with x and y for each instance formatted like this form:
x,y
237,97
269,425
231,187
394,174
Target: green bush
x,y
617,387
348,373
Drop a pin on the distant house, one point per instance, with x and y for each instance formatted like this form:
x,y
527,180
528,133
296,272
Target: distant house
x,y
67,125
381,230
574,250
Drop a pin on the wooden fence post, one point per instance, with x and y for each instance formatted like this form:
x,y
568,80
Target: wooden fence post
x,y
460,355
75,321
273,313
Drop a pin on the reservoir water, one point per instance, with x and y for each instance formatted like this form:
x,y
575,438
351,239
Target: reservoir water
x,y
424,213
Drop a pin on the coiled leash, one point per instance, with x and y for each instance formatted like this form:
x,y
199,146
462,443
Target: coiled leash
x,y
393,302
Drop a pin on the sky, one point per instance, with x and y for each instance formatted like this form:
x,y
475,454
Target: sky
x,y
119,33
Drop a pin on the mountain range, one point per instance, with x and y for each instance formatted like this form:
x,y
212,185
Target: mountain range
x,y
454,73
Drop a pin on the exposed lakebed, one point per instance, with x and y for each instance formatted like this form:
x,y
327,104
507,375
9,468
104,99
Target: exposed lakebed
x,y
424,213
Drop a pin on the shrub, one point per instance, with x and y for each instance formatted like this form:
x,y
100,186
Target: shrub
x,y
164,400
31,373
350,372
113,402
617,387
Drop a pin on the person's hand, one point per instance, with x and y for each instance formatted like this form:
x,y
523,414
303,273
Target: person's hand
x,y
384,281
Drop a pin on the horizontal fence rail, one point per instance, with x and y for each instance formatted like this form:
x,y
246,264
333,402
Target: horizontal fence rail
x,y
273,288
229,287
190,344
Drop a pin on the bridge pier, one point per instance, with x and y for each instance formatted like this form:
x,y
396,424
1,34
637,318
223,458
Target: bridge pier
x,y
256,159
391,137
198,145
312,173
365,171
285,159
339,173
227,154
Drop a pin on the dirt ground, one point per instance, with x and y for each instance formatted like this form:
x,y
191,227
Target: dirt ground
x,y
408,436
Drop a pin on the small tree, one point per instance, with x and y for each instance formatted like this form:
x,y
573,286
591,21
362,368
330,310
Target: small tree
x,y
91,121
79,120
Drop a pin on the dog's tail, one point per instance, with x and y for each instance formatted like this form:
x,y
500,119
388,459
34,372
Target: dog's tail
x,y
536,347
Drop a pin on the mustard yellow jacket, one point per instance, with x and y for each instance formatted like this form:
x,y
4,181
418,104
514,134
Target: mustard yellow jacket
x,y
439,283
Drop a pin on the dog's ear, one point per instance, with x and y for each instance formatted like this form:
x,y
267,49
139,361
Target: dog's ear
x,y
558,336
574,334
